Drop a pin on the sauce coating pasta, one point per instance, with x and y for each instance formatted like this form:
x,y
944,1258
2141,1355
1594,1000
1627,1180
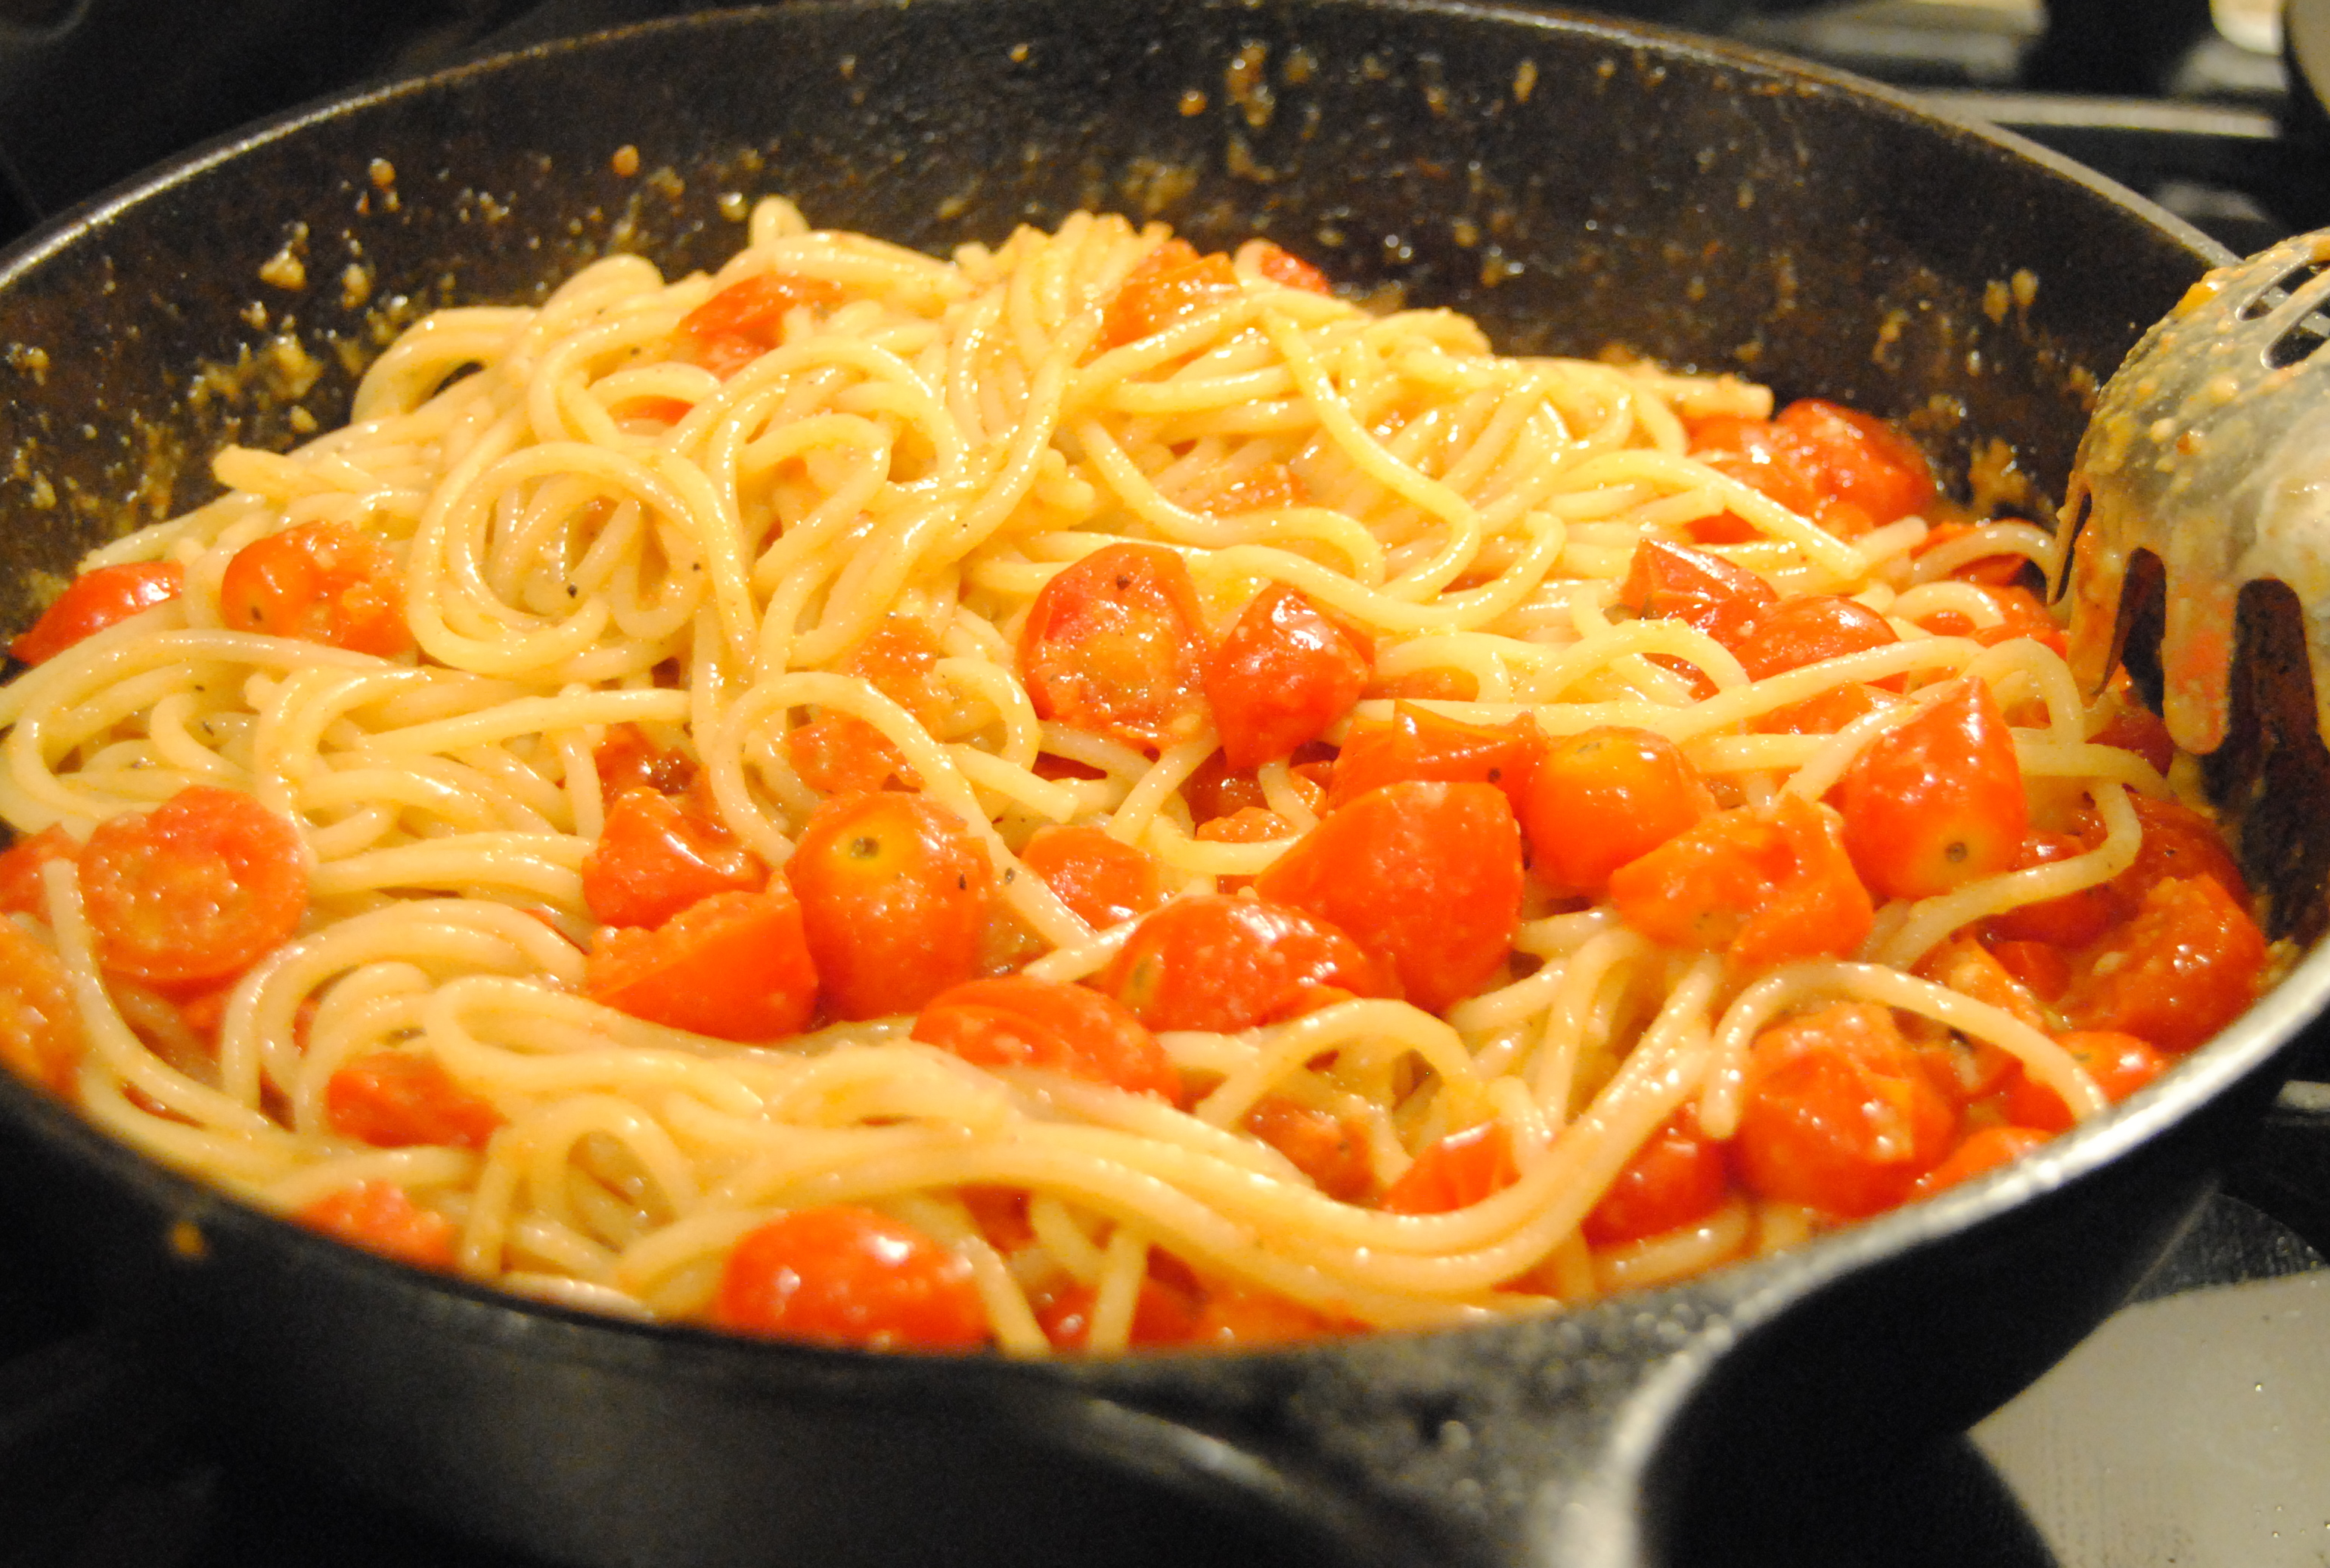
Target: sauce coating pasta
x,y
1079,796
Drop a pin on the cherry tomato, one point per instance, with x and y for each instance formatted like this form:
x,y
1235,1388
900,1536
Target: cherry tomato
x,y
1604,796
1860,460
95,600
2022,614
2119,1064
1265,488
1224,964
1330,1149
847,1275
1838,1113
1105,881
625,758
746,319
1764,886
1419,744
1246,825
901,657
1115,645
2133,727
1455,1172
2039,967
736,966
2071,919
1247,1316
1283,675
1427,875
1439,684
20,889
1994,570
1170,283
324,582
1161,1314
1985,1149
1827,712
1762,456
382,1217
653,859
1797,632
893,894
1971,969
1679,1176
2185,966
1285,267
195,889
400,1098
1705,592
842,754
1938,802
2178,841
1017,1021
39,1026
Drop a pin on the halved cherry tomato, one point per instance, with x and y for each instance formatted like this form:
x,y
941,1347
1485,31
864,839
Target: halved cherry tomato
x,y
2133,727
2185,966
1285,672
1604,796
2119,1064
1860,459
847,1275
195,889
1170,282
2039,967
21,891
736,966
1245,1315
842,754
1827,712
1427,875
402,1099
2178,841
1985,1149
1161,1314
1330,1149
1017,1021
40,1027
1991,570
1760,455
1936,803
2071,919
625,758
1115,645
900,657
1455,1172
1797,632
2022,614
1105,881
1224,964
382,1217
893,894
1285,267
1838,1113
325,582
1263,489
1678,1175
744,320
1762,884
654,858
1418,744
1705,592
95,600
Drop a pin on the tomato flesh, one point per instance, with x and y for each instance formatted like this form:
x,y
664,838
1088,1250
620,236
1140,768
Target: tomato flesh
x,y
734,966
893,894
847,1275
2185,966
400,1098
1677,1177
1604,796
1281,676
95,600
654,858
1170,283
1672,582
1838,1113
1860,460
1223,964
322,582
1330,1149
1936,803
1763,885
40,1027
2120,1064
1797,632
381,1217
1105,881
1986,1150
196,889
1115,645
1017,1021
1455,1172
744,320
1418,744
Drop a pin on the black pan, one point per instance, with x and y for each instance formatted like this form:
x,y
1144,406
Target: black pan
x,y
1574,186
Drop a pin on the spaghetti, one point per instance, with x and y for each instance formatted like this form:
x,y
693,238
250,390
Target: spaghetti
x,y
1076,795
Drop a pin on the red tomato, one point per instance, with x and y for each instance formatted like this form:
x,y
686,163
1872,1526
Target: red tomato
x,y
1015,1021
847,1275
1170,283
1427,875
1115,645
1797,632
1283,675
2133,727
1838,1113
1161,1314
1420,744
398,1098
842,754
1765,458
1262,489
893,894
1105,881
2187,965
1330,1149
326,582
653,859
21,889
1938,802
2040,968
625,758
1971,969
2178,841
1224,964
1678,1176
1429,685
382,1217
1765,885
1246,1316
736,966
901,657
1705,592
1860,460
746,320
195,889
1455,1172
2072,919
2119,1064
1604,796
1285,267
40,1027
1985,1149
1826,713
95,600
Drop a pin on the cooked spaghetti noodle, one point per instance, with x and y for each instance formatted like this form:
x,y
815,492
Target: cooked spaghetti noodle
x,y
757,544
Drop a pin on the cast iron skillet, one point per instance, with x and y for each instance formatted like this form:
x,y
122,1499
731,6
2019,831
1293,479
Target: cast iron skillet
x,y
1574,185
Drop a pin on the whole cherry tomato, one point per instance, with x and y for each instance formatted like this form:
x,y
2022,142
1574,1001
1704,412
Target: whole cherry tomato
x,y
1225,964
1018,1021
847,1275
1115,645
196,889
95,600
893,894
1936,803
1284,673
324,582
1860,459
1838,1113
1604,796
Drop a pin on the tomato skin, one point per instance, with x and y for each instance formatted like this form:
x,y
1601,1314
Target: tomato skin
x,y
1455,1172
842,754
894,895
1281,676
400,1099
1705,592
1017,1021
40,1027
744,320
1838,1113
20,889
900,659
1161,1314
2178,841
1419,744
847,1275
1760,455
195,889
653,859
2024,616
1281,266
2072,920
1763,885
1427,875
1936,803
1106,882
1604,796
2040,968
1797,632
2185,966
1678,1174
1330,1149
95,600
1859,458
1985,1149
734,966
381,1217
1827,712
2119,1064
1170,282
1115,645
322,582
1244,1316
1223,964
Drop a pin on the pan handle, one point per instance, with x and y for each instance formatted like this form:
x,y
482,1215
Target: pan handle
x,y
2285,1169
